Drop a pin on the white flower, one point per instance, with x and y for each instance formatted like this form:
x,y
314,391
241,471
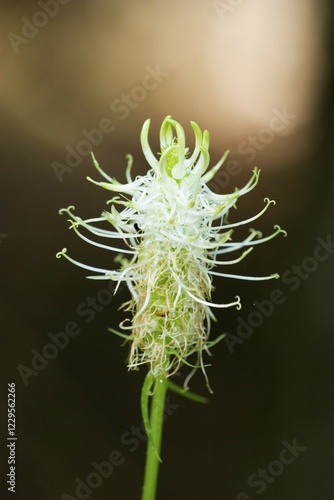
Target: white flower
x,y
176,232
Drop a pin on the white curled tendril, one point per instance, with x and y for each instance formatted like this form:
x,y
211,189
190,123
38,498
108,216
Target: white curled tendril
x,y
175,232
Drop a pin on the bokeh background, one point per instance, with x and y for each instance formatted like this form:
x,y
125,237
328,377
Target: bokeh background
x,y
258,74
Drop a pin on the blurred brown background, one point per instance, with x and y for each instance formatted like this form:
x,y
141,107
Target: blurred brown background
x,y
85,75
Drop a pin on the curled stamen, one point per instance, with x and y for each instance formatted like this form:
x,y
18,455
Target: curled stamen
x,y
237,302
229,262
100,245
63,253
251,219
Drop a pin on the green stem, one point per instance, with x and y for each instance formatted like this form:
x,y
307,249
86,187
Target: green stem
x,y
154,440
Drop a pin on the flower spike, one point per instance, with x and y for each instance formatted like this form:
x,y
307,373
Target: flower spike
x,y
175,231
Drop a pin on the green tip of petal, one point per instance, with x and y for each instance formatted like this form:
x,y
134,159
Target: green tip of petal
x,y
66,210
61,254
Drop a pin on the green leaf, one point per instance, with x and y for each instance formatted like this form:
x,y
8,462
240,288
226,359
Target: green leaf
x,y
186,394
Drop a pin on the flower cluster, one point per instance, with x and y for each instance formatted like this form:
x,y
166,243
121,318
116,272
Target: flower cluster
x,y
176,232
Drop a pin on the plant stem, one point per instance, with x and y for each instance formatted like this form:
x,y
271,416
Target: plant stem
x,y
154,442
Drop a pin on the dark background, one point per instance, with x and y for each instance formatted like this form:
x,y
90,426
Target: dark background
x,y
278,384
